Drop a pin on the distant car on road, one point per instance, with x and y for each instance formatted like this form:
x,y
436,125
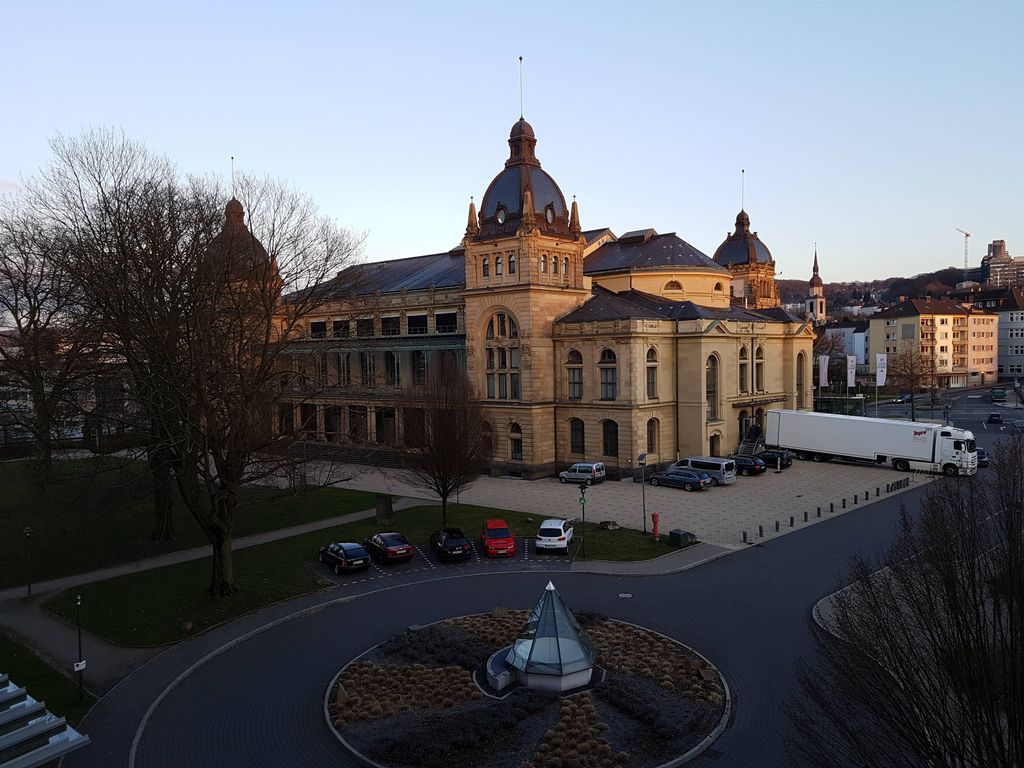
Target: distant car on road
x,y
497,539
995,418
687,479
345,556
748,465
389,547
982,457
555,533
773,458
451,544
904,398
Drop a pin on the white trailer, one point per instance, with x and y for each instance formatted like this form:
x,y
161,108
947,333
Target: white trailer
x,y
906,445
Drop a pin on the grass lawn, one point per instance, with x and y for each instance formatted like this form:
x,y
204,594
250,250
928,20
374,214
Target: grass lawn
x,y
98,512
151,608
43,682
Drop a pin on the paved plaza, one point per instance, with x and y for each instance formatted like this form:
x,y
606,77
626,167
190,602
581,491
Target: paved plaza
x,y
719,516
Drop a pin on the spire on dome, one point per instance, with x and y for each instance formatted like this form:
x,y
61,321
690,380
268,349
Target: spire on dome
x,y
574,219
529,224
234,215
472,225
522,144
742,223
815,258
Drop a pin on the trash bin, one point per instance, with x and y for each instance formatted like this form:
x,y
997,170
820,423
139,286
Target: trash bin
x,y
681,538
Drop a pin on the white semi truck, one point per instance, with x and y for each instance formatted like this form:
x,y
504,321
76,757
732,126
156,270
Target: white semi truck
x,y
905,445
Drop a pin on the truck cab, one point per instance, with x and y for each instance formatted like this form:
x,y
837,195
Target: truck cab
x,y
958,452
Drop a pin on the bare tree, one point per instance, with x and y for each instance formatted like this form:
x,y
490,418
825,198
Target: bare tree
x,y
832,344
51,353
926,667
198,303
912,369
446,449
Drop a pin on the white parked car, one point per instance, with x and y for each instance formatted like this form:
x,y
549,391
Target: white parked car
x,y
554,534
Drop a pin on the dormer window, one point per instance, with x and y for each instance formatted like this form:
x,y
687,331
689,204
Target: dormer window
x,y
487,268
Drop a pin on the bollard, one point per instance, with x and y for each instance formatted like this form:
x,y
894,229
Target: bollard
x,y
790,521
760,531
844,502
888,487
744,537
855,498
805,515
831,507
819,511
878,491
776,526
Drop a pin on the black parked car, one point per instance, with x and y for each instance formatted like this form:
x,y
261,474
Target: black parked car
x,y
345,556
451,544
748,465
995,418
982,457
687,479
390,547
772,458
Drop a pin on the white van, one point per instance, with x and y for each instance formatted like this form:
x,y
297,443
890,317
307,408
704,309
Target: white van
x,y
589,472
721,471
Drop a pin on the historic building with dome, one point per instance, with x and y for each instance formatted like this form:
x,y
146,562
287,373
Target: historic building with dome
x,y
582,344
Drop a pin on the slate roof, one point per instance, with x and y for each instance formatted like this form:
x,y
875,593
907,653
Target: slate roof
x,y
638,305
441,270
593,234
647,250
925,306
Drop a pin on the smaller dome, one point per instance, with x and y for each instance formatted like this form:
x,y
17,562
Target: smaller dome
x,y
815,282
521,129
742,246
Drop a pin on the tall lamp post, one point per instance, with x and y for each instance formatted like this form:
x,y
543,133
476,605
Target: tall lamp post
x,y
583,509
27,533
80,665
642,461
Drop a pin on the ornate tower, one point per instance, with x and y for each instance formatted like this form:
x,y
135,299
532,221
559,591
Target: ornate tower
x,y
815,302
524,268
751,265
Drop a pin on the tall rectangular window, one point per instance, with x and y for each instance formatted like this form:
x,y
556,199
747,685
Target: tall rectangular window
x,y
652,382
490,386
608,383
392,372
576,437
366,368
419,367
513,384
339,329
575,383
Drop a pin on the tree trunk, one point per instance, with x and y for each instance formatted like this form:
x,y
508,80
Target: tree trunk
x,y
222,578
163,501
444,511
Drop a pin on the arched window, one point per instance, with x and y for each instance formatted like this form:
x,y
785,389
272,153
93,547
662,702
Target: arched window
x,y
800,364
497,265
652,435
574,375
609,438
673,285
609,375
544,263
718,288
511,263
744,372
515,441
486,438
711,387
577,443
487,267
652,374
759,370
554,265
565,268
502,358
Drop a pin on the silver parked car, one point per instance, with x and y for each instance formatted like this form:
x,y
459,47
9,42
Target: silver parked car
x,y
589,472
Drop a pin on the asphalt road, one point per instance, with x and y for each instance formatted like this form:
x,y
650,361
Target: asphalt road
x,y
259,703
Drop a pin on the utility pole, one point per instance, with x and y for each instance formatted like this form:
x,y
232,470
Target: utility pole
x,y
967,236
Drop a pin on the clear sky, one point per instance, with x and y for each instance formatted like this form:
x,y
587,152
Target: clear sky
x,y
872,128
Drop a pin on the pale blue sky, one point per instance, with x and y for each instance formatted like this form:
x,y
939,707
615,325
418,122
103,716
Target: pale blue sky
x,y
873,128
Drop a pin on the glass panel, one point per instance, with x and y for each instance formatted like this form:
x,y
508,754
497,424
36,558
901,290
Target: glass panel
x,y
514,385
514,357
490,386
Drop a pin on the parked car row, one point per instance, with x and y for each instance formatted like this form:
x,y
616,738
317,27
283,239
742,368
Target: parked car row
x,y
449,544
696,473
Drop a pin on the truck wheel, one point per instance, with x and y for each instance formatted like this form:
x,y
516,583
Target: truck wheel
x,y
817,457
802,456
901,465
950,470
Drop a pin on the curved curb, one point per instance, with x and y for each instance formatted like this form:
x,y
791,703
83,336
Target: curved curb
x,y
686,757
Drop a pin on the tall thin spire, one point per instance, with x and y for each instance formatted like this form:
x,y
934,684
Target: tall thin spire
x,y
472,224
743,189
815,258
232,175
521,88
574,219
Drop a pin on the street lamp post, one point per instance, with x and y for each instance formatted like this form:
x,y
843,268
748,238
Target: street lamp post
x,y
642,461
583,509
80,666
27,533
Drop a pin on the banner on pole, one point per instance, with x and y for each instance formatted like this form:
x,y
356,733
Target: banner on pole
x,y
823,371
851,370
881,368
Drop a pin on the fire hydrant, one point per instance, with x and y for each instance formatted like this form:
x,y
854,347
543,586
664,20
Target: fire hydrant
x,y
654,523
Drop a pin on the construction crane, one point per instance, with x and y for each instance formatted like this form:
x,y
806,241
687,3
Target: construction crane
x,y
967,236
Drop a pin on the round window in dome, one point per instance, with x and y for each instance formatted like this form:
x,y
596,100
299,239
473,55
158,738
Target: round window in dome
x,y
549,214
500,215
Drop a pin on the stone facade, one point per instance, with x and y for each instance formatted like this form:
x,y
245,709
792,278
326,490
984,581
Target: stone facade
x,y
581,344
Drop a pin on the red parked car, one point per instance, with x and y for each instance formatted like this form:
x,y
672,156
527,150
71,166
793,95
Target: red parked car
x,y
497,539
390,547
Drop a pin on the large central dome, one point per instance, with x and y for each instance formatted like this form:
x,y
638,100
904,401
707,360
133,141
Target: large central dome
x,y
501,212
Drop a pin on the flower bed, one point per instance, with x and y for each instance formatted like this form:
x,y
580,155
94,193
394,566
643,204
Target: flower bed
x,y
411,701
